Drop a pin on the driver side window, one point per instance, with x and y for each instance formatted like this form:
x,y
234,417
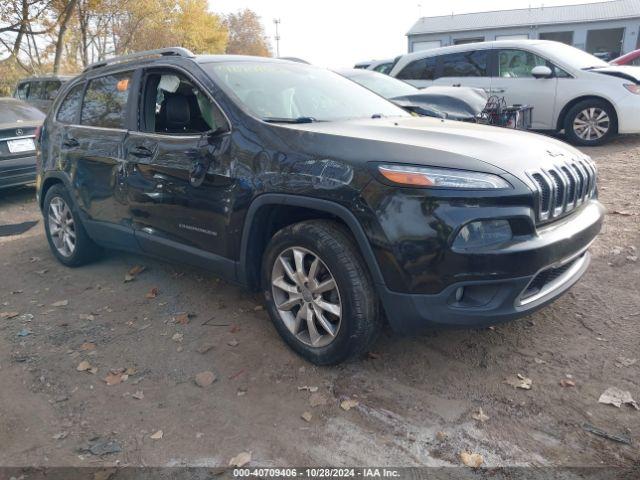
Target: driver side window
x,y
172,104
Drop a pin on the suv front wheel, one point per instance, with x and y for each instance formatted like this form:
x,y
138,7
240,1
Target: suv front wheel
x,y
590,123
319,293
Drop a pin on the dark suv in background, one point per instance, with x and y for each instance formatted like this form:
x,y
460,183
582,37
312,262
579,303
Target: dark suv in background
x,y
339,205
40,91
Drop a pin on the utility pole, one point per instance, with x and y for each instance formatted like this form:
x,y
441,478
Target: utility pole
x,y
277,37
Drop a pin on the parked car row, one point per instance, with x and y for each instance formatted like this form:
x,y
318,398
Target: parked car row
x,y
340,206
570,90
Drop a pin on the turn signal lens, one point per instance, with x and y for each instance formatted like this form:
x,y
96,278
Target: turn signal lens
x,y
406,178
410,176
633,88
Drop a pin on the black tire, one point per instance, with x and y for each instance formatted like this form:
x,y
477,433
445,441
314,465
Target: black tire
x,y
85,250
577,110
360,320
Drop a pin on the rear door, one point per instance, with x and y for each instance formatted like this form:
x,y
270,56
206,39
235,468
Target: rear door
x,y
175,212
465,69
514,82
95,148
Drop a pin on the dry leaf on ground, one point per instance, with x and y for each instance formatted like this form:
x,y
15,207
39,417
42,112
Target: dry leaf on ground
x,y
158,435
480,416
565,382
306,416
85,366
153,293
348,404
60,303
134,272
139,395
617,397
9,314
519,381
87,346
233,343
240,460
204,379
473,460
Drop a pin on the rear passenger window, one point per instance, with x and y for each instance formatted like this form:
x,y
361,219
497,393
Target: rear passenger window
x,y
35,92
51,89
465,64
422,69
23,91
70,106
105,103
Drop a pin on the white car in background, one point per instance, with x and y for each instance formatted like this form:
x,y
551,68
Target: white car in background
x,y
568,88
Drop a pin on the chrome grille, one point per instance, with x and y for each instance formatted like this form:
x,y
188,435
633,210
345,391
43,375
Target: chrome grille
x,y
562,188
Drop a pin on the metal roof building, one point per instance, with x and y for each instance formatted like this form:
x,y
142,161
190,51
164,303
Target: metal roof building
x,y
607,28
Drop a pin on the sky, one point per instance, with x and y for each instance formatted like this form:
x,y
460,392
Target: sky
x,y
340,33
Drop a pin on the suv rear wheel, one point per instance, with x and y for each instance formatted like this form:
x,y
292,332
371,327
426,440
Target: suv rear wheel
x,y
319,293
590,123
67,237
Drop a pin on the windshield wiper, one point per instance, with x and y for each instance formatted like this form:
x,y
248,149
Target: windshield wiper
x,y
289,120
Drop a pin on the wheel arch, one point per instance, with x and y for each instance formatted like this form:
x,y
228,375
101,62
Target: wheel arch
x,y
270,212
49,181
569,105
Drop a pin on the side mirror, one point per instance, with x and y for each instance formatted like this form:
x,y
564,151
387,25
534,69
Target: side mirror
x,y
541,71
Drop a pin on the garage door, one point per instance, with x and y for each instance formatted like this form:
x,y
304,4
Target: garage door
x,y
419,46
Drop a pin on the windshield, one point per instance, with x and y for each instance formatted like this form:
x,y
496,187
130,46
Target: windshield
x,y
290,92
574,57
12,111
383,85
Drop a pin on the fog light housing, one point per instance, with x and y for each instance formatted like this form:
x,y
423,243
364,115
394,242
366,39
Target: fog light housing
x,y
483,233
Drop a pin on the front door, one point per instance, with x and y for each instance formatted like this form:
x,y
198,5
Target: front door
x,y
179,190
514,82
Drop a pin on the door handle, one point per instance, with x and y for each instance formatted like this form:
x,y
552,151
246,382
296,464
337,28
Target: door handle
x,y
141,152
497,90
70,142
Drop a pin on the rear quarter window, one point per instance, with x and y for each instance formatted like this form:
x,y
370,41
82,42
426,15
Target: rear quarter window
x,y
105,101
421,69
35,92
70,106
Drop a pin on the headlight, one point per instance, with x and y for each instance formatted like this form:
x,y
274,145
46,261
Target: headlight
x,y
633,88
483,233
441,177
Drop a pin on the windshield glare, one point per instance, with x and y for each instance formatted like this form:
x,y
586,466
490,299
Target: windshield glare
x,y
575,57
384,85
291,91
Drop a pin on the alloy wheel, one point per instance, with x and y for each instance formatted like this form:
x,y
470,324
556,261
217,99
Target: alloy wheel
x,y
306,296
62,227
592,123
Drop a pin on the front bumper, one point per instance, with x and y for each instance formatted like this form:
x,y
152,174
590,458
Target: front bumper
x,y
558,257
17,171
628,114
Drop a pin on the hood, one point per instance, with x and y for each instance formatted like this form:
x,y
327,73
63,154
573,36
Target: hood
x,y
432,142
626,72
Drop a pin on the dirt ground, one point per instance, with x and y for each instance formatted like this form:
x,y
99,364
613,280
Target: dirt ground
x,y
416,396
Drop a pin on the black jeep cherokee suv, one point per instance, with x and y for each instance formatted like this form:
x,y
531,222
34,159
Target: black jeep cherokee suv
x,y
340,206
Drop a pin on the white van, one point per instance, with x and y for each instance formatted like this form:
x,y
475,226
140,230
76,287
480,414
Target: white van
x,y
569,89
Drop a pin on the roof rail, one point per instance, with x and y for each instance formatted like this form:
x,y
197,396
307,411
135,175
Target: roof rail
x,y
171,51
